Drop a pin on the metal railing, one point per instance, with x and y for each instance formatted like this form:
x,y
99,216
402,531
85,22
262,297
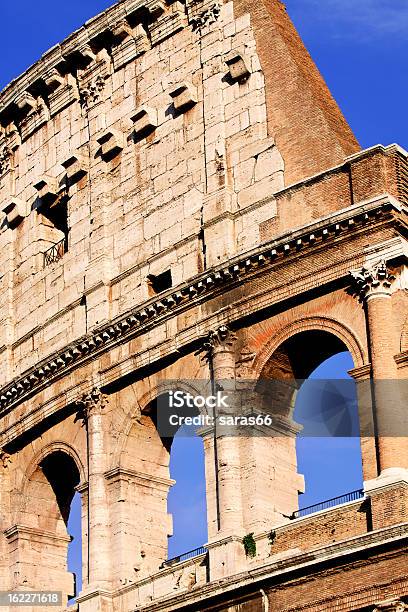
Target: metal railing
x,y
329,503
55,253
185,556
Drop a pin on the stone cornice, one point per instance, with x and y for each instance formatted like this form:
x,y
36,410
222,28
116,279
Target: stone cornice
x,y
146,480
81,45
205,286
33,533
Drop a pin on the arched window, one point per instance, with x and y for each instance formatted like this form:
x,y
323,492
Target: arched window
x,y
187,498
309,371
328,448
49,494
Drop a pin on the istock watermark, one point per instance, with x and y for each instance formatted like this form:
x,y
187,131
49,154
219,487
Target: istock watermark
x,y
181,399
307,408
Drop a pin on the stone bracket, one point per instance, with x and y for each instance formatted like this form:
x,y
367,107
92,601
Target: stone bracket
x,y
184,96
48,189
76,167
238,65
15,211
112,142
144,120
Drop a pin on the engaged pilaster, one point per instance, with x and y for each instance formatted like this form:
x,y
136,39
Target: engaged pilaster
x,y
5,519
221,347
374,286
91,410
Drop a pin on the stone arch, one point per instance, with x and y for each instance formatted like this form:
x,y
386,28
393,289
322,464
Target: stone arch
x,y
140,479
142,403
57,445
284,360
321,323
49,485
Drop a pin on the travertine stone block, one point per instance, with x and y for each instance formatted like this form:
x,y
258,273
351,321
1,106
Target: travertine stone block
x,y
76,167
145,120
239,66
48,189
112,142
184,96
15,211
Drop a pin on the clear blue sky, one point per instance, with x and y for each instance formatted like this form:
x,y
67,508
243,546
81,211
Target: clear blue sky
x,y
361,47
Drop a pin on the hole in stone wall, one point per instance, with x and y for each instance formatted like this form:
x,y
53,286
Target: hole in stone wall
x,y
160,282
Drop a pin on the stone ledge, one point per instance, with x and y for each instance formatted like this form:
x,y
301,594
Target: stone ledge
x,y
204,286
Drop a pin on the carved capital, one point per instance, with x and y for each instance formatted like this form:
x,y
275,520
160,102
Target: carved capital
x,y
391,605
92,93
5,458
89,404
208,17
221,339
372,280
5,159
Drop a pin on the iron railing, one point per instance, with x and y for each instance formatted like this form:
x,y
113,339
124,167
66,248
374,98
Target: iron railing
x,y
55,253
185,556
329,503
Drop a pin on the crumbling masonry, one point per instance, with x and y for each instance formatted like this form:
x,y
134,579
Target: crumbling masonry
x,y
174,175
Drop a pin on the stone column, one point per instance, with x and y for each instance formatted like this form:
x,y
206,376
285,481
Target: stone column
x,y
222,344
91,410
225,536
375,288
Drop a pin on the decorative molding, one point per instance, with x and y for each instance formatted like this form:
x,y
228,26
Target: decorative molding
x,y
373,280
135,321
221,338
34,534
37,116
92,93
207,17
5,159
168,23
5,458
89,404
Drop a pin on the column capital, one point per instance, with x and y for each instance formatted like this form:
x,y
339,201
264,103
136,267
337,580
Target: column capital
x,y
89,404
5,458
374,280
391,605
222,338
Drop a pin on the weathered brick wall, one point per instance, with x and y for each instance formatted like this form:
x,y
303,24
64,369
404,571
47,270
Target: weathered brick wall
x,y
309,128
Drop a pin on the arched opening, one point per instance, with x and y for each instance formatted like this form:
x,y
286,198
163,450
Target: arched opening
x,y
75,546
328,449
49,494
308,384
187,498
161,476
